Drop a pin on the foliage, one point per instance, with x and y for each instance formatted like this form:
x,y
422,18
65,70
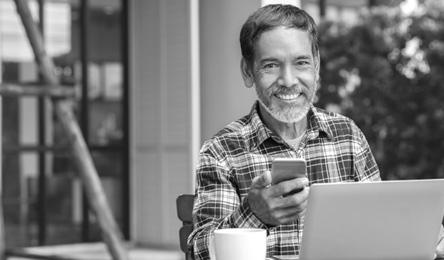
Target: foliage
x,y
387,73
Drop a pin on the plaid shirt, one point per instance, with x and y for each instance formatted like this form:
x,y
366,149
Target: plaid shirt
x,y
335,150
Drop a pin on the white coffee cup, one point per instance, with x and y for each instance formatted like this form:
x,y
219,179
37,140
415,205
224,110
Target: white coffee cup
x,y
240,244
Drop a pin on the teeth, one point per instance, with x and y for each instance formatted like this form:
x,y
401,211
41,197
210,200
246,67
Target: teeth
x,y
287,97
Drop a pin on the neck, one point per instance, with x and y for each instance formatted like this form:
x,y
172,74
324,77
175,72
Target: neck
x,y
286,131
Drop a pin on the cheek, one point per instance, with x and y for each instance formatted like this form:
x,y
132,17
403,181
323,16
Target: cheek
x,y
266,82
309,81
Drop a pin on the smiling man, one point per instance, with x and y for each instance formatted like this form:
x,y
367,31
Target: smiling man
x,y
284,76
280,60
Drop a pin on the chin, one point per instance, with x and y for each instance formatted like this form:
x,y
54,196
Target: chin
x,y
288,114
291,117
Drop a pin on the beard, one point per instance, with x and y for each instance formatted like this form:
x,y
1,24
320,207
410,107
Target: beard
x,y
287,114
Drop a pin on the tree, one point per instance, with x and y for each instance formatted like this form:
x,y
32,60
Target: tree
x,y
387,74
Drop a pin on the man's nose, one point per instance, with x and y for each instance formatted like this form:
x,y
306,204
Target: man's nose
x,y
288,77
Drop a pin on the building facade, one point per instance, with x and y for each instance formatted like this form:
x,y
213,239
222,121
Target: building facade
x,y
162,76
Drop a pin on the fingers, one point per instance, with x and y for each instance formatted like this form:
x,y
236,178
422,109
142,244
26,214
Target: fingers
x,y
292,207
289,187
275,205
284,210
299,198
262,180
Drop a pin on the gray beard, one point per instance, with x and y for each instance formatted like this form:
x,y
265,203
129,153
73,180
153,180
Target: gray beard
x,y
289,115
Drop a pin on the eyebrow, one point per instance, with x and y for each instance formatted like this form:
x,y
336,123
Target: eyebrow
x,y
299,57
305,57
262,61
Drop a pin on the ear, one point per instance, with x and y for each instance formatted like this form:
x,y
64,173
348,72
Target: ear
x,y
247,74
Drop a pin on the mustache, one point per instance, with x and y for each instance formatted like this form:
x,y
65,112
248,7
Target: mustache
x,y
287,91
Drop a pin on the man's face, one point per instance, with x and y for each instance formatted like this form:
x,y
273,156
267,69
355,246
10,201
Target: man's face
x,y
284,73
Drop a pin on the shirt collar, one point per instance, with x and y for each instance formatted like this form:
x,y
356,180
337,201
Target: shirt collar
x,y
260,132
317,124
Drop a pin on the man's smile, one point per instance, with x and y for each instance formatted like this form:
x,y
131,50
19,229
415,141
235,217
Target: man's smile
x,y
287,96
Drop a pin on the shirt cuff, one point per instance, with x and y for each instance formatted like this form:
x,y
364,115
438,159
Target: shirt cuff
x,y
245,218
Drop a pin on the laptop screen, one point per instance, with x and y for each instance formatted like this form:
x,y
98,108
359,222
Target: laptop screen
x,y
373,220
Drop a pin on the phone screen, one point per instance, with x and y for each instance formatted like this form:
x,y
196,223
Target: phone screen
x,y
283,169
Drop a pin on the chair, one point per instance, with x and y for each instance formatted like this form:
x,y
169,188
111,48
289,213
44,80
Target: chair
x,y
184,206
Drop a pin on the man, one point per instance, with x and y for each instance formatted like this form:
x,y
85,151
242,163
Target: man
x,y
280,60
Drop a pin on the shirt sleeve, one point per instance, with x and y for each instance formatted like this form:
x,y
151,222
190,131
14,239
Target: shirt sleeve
x,y
217,204
365,167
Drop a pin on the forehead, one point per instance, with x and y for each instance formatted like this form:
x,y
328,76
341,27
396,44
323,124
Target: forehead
x,y
283,41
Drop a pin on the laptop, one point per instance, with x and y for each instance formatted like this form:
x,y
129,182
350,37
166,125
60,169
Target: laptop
x,y
389,220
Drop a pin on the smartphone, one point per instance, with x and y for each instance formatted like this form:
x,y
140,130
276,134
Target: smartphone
x,y
283,169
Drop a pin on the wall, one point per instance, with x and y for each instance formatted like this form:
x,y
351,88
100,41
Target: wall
x,y
163,135
224,98
160,118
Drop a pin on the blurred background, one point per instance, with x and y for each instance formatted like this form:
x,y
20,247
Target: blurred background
x,y
155,78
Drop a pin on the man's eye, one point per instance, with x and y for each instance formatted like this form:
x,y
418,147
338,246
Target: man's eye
x,y
270,66
303,63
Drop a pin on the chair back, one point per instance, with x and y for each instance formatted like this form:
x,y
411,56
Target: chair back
x,y
184,206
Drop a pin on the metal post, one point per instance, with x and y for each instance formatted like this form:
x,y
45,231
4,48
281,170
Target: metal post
x,y
84,111
372,3
125,121
2,224
41,200
322,9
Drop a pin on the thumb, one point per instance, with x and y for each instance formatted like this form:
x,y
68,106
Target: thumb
x,y
262,180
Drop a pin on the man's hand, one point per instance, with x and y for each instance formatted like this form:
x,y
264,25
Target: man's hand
x,y
439,252
270,205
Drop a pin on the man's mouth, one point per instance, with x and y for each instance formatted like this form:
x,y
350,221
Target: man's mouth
x,y
288,96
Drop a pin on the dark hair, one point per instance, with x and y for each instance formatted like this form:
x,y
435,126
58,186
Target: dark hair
x,y
270,17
